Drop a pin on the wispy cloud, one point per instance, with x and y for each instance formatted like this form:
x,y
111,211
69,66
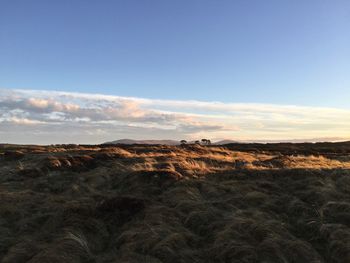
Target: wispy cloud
x,y
32,116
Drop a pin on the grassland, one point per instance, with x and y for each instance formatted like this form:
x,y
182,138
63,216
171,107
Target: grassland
x,y
191,203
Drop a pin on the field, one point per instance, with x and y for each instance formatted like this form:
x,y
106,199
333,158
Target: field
x,y
190,203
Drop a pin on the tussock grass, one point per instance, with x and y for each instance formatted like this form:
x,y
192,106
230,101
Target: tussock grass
x,y
174,204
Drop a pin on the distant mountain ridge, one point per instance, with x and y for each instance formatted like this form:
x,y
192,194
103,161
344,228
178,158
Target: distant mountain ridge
x,y
163,142
222,142
129,141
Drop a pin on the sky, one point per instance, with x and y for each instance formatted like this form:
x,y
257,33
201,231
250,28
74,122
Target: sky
x,y
158,69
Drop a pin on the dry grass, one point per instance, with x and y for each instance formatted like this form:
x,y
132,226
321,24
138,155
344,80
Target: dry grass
x,y
174,204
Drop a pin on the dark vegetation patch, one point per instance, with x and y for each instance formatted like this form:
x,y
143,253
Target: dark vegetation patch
x,y
320,148
78,205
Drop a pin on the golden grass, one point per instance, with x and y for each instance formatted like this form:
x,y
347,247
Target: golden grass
x,y
163,204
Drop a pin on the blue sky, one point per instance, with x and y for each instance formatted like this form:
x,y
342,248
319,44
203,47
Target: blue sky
x,y
274,51
160,69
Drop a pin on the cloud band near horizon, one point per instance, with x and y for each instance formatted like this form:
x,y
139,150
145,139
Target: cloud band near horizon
x,y
45,117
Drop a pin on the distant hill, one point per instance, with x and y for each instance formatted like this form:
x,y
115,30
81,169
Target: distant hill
x,y
129,141
225,142
222,142
164,142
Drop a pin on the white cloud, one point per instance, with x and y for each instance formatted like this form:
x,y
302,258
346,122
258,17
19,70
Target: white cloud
x,y
34,116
